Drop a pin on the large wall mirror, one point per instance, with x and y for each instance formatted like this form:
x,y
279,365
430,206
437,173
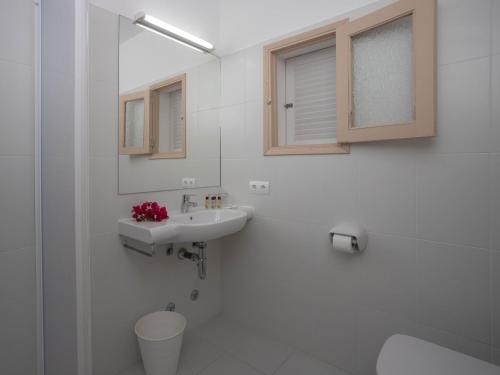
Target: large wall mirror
x,y
169,135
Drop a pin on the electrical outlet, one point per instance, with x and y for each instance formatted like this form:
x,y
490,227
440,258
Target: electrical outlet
x,y
258,187
188,182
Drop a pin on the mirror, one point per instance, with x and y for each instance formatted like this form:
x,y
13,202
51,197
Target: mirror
x,y
133,133
169,131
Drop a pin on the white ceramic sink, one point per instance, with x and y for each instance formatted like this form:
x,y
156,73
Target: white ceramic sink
x,y
195,226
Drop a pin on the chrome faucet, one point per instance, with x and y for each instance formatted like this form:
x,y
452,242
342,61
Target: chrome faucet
x,y
186,203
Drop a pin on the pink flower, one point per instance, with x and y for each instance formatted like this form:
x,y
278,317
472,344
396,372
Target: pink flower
x,y
149,211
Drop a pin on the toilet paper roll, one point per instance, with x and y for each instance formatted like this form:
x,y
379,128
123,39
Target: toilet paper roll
x,y
343,244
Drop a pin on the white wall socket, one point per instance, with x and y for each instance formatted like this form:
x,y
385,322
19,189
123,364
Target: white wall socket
x,y
188,182
258,187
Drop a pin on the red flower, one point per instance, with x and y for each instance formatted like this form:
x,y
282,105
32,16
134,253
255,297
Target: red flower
x,y
149,211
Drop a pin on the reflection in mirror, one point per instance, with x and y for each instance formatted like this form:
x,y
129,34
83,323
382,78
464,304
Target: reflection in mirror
x,y
169,118
134,123
176,123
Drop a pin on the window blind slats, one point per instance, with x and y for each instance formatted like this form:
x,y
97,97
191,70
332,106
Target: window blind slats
x,y
313,83
175,119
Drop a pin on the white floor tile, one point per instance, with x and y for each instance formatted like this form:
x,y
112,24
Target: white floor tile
x,y
229,366
302,364
197,353
264,355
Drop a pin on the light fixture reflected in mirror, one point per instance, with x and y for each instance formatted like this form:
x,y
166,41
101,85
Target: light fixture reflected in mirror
x,y
171,32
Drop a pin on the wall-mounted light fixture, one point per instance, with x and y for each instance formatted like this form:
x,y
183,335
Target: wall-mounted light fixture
x,y
171,32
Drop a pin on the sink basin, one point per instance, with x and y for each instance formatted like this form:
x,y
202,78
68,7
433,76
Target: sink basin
x,y
195,226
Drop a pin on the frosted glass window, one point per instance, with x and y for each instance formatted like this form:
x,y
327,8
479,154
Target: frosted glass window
x,y
382,86
134,123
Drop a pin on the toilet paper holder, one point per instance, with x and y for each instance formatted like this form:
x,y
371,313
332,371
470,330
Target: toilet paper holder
x,y
359,236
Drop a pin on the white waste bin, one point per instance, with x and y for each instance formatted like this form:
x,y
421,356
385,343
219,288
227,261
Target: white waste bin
x,y
160,340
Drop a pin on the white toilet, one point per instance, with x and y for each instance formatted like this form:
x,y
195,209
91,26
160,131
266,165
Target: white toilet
x,y
406,355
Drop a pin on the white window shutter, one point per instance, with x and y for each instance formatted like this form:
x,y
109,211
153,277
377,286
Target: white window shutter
x,y
311,88
175,119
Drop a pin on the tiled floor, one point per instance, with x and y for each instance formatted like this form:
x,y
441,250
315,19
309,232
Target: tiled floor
x,y
221,347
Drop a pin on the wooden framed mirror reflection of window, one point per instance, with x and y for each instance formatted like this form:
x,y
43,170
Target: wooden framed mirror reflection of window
x,y
168,111
134,124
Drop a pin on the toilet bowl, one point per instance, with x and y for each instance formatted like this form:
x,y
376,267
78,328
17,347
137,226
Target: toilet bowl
x,y
160,339
406,355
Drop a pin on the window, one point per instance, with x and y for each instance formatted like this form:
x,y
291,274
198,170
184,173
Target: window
x,y
300,94
169,118
134,124
386,73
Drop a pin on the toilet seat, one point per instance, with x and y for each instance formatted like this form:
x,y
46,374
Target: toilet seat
x,y
406,355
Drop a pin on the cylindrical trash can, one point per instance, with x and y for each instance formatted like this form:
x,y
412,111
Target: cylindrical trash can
x,y
160,340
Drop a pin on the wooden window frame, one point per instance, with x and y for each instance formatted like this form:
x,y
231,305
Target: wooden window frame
x,y
155,108
147,140
424,73
270,53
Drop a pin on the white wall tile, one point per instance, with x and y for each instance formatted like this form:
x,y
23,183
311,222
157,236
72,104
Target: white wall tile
x,y
192,90
495,16
17,24
16,104
254,138
387,195
388,275
452,199
495,108
253,73
495,356
103,119
463,30
17,192
453,289
233,79
373,330
209,85
104,34
495,201
495,298
18,312
232,122
464,115
454,342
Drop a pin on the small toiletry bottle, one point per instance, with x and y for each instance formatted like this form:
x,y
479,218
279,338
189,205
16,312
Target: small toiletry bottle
x,y
213,201
219,201
207,202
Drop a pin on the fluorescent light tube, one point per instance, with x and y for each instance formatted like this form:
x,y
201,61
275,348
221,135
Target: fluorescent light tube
x,y
171,32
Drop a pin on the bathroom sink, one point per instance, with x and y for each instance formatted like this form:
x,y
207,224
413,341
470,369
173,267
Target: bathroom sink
x,y
195,226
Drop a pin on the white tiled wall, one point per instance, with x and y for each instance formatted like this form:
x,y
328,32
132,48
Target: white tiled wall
x,y
431,208
17,228
127,285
